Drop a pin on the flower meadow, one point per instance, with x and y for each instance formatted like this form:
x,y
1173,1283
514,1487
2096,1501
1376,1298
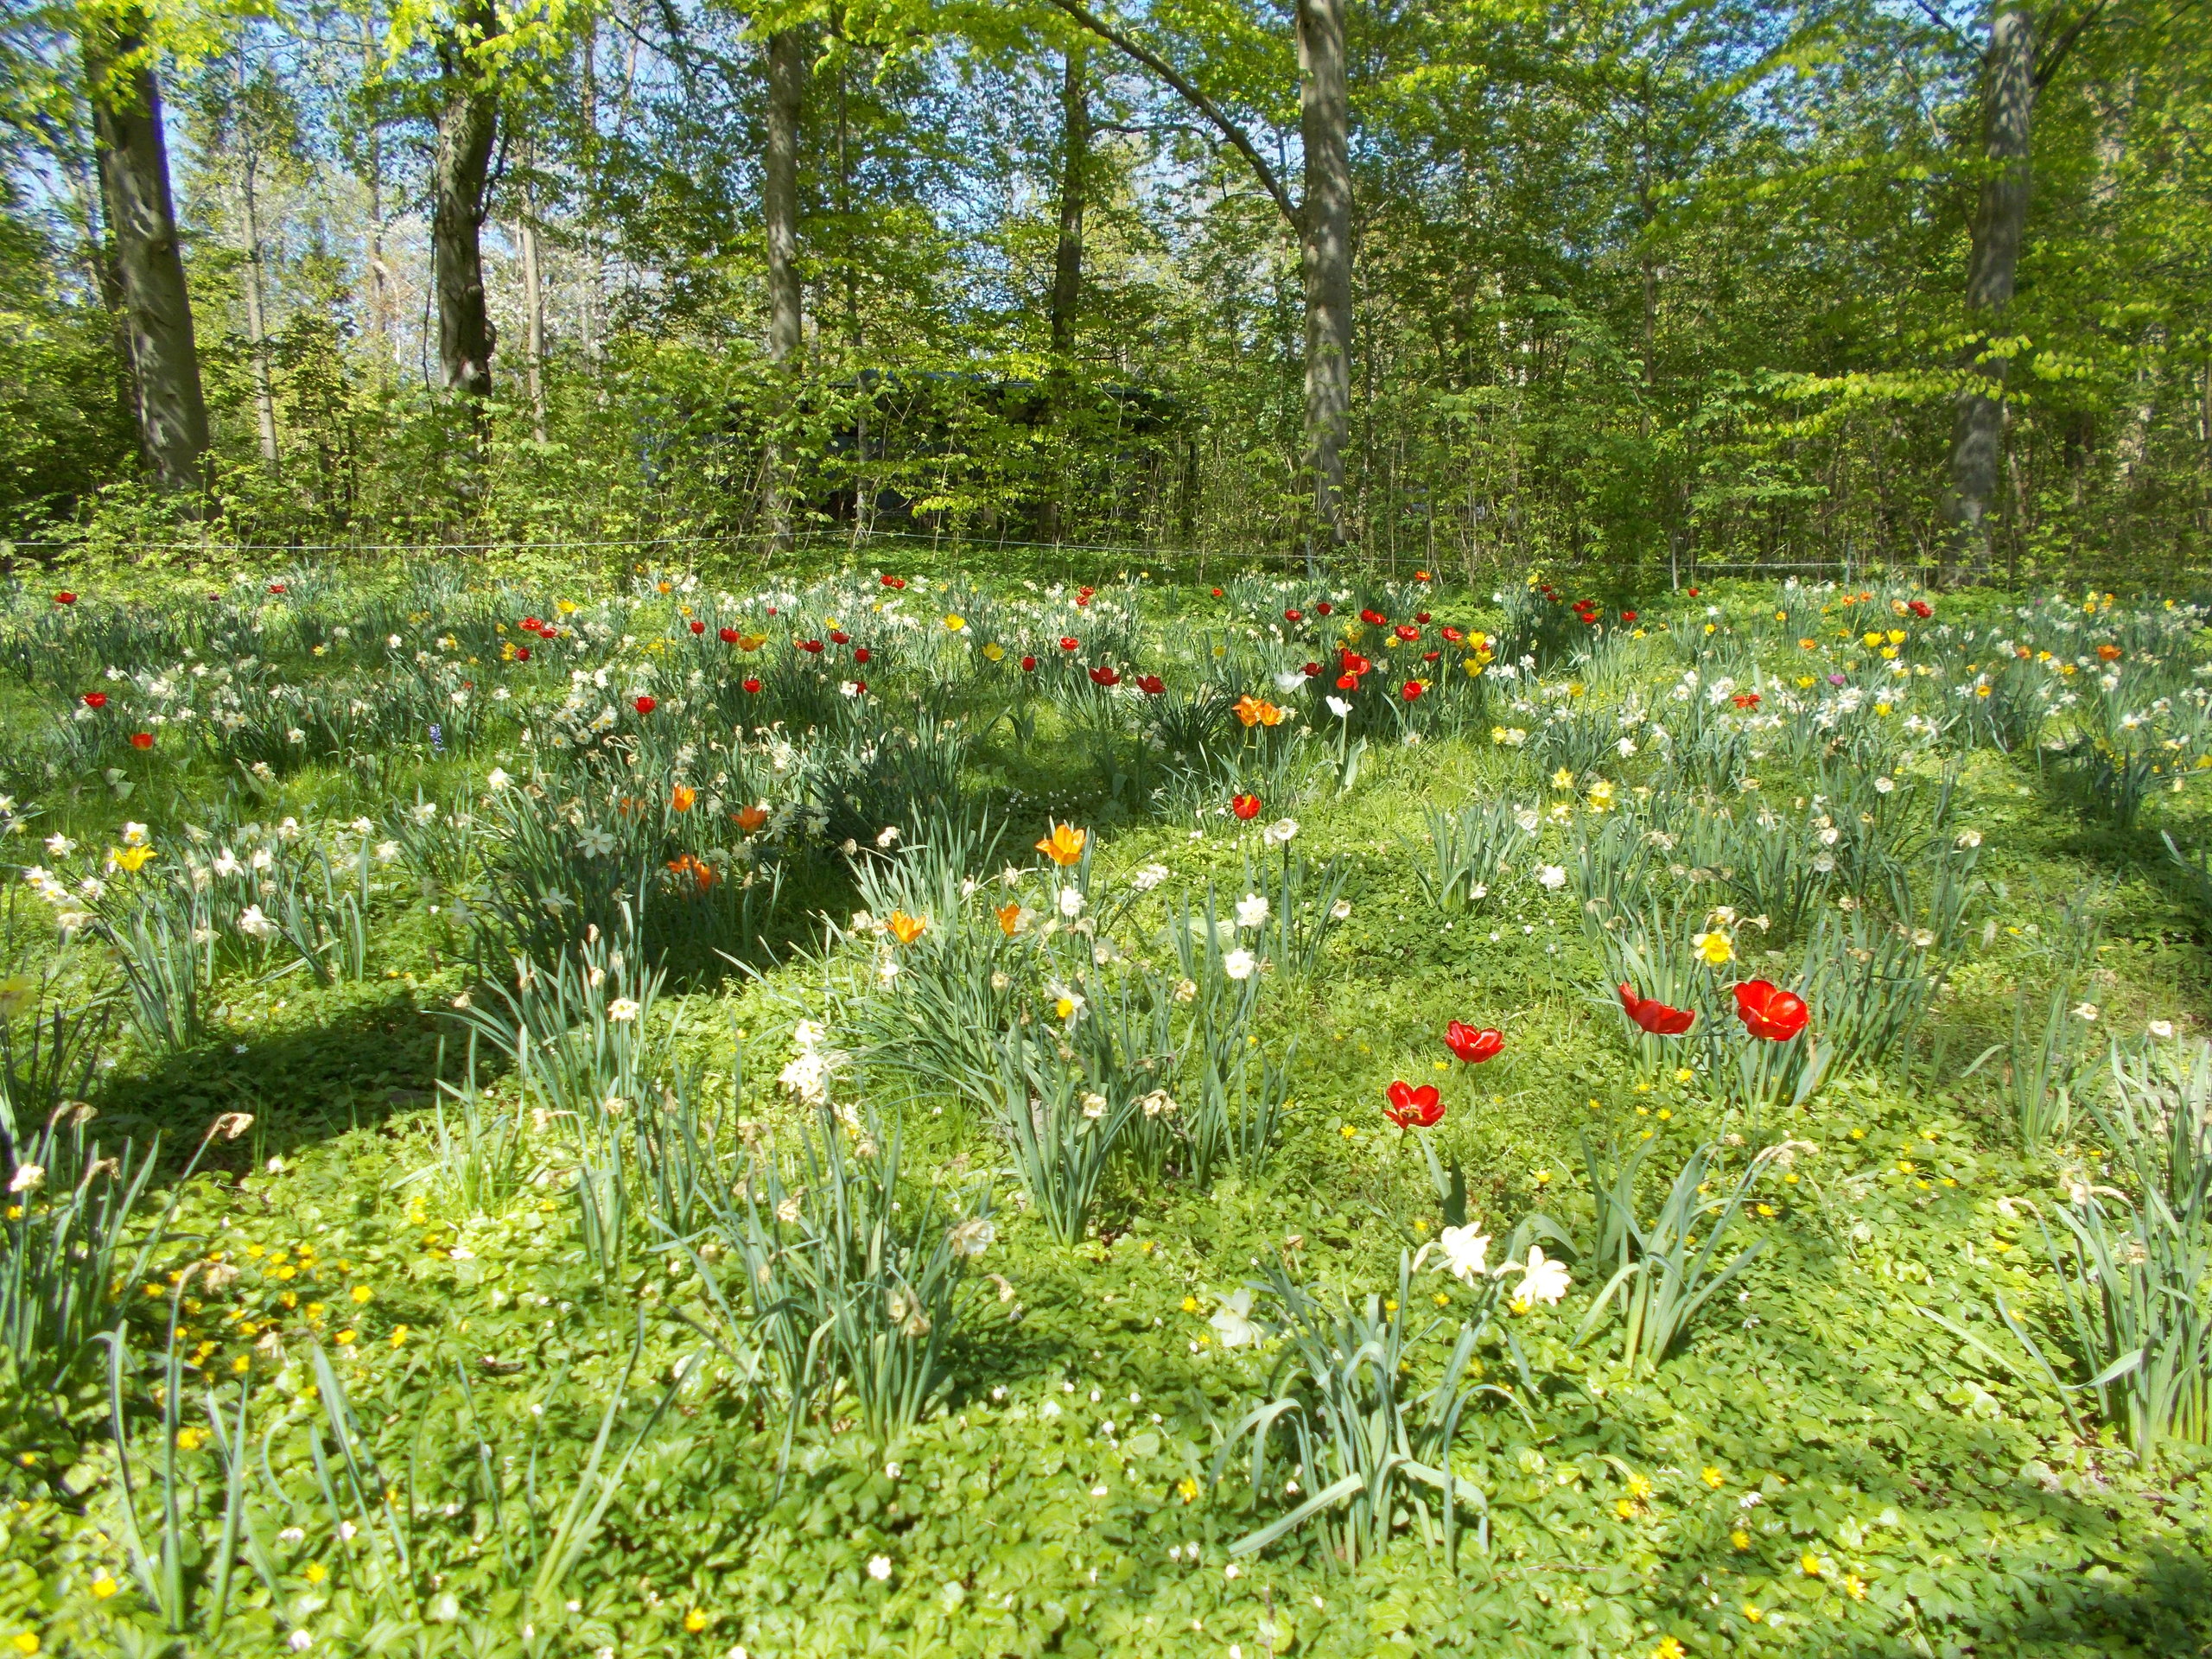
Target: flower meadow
x,y
917,1113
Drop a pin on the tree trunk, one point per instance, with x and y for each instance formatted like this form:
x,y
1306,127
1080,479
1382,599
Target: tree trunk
x,y
779,215
468,120
379,273
134,166
533,309
256,321
1324,234
1067,264
2000,222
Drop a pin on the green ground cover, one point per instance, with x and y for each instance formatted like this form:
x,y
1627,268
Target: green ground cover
x,y
887,1113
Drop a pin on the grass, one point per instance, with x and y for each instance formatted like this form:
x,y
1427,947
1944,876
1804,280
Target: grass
x,y
401,1370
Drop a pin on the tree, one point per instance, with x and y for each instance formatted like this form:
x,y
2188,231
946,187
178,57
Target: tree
x,y
1322,222
132,154
2015,67
467,124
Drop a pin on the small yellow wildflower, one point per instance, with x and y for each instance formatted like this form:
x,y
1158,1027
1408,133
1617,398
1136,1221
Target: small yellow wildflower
x,y
361,1292
695,1621
1741,1539
1712,1476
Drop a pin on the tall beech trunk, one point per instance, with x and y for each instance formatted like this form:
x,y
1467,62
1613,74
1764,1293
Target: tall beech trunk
x,y
257,320
1324,234
380,272
533,309
468,122
133,168
1067,261
1999,223
779,215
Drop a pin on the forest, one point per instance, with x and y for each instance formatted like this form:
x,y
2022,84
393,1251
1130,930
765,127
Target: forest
x,y
1639,287
1159,827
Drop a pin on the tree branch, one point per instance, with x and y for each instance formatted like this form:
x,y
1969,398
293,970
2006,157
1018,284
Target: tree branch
x,y
1159,66
2065,43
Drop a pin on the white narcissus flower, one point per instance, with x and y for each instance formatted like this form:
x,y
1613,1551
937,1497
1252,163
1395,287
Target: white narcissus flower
x,y
1149,877
254,925
1251,910
2162,1027
622,1009
888,836
27,1178
1239,964
1341,911
973,1236
1541,1281
1070,902
1551,877
1232,1321
1280,831
498,779
1465,1252
1969,838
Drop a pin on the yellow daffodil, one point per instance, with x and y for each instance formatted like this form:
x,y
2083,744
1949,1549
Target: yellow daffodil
x,y
1714,948
954,623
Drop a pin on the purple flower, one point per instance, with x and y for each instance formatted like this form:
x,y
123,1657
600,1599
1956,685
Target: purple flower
x,y
1836,679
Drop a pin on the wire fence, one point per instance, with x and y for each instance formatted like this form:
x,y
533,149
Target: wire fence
x,y
812,548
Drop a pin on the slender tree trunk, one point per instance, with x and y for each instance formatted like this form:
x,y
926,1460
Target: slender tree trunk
x,y
533,309
780,213
380,272
468,120
1325,237
1067,266
256,321
133,167
2000,222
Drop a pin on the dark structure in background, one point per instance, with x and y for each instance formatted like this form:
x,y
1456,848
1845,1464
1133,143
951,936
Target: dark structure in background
x,y
1003,460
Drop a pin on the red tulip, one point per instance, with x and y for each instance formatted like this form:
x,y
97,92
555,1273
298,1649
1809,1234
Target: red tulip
x,y
1654,1016
1151,684
1105,674
1085,592
752,688
698,627
276,586
894,581
1029,664
1770,1012
1473,1045
1294,616
1373,619
862,654
1745,700
65,598
645,705
1351,662
839,637
141,740
1069,642
860,687
1920,607
1414,1108
1407,632
1451,636
1312,671
1323,608
1246,807
727,636
813,647
1347,682
1216,593
1421,616
531,625
95,699
1411,689
1430,656
1693,592
1628,616
522,653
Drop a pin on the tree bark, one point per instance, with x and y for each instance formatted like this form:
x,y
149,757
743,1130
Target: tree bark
x,y
134,170
1067,264
1324,234
380,272
779,190
1999,223
256,321
779,216
533,309
469,120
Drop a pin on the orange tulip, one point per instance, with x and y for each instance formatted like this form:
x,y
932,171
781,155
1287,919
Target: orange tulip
x,y
682,797
907,929
1064,845
750,818
1009,915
